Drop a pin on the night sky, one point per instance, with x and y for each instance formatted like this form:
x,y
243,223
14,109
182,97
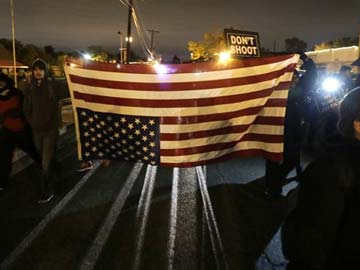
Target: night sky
x,y
77,24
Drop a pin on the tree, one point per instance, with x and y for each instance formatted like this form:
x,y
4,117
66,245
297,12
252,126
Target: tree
x,y
337,43
7,44
30,53
212,44
322,46
98,53
295,44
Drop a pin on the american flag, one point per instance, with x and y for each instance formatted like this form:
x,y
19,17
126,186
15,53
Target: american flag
x,y
180,115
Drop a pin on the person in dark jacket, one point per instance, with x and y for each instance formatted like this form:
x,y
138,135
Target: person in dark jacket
x,y
14,131
323,232
42,112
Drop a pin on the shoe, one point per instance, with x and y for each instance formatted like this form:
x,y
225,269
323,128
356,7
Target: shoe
x,y
46,198
2,189
105,163
86,166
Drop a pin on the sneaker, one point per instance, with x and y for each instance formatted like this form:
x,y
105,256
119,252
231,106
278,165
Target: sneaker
x,y
46,198
105,163
85,166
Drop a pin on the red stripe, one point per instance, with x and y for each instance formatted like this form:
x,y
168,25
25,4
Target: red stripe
x,y
183,86
242,153
175,103
278,121
221,116
267,138
182,68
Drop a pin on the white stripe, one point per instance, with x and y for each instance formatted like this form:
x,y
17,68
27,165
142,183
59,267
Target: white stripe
x,y
211,220
242,120
178,112
142,214
181,77
223,138
269,147
186,94
173,218
103,234
46,221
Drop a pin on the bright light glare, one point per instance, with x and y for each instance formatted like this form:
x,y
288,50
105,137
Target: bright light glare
x,y
224,57
160,69
87,56
331,84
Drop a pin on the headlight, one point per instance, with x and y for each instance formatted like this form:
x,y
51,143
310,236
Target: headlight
x,y
331,84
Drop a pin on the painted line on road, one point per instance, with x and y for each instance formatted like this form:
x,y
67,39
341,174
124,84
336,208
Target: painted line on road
x,y
103,234
43,224
173,217
211,220
143,213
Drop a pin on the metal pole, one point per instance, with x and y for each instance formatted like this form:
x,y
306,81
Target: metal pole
x,y
121,47
128,40
13,40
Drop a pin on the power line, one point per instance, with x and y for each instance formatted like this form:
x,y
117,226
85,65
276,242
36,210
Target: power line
x,y
152,32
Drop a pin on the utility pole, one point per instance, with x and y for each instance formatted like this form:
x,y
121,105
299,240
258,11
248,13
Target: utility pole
x,y
152,32
128,39
13,40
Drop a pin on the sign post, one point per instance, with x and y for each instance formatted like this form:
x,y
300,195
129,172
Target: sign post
x,y
242,43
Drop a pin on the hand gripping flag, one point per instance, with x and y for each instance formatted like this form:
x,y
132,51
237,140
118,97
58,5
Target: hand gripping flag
x,y
180,115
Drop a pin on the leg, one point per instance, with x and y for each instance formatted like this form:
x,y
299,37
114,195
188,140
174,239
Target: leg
x,y
273,178
25,142
48,159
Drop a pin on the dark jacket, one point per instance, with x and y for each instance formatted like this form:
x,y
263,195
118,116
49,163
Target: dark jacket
x,y
11,115
41,107
323,232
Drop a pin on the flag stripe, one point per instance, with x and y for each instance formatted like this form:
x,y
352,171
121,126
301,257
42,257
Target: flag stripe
x,y
194,142
241,153
183,68
217,128
180,103
268,113
196,76
181,86
268,147
175,112
220,146
284,83
279,104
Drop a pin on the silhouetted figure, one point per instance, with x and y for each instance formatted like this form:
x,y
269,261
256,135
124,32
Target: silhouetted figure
x,y
14,131
322,232
176,60
41,110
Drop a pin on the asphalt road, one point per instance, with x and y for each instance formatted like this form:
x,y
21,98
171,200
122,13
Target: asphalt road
x,y
134,216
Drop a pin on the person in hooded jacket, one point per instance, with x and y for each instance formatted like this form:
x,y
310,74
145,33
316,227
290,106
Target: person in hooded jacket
x,y
14,131
323,230
42,112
